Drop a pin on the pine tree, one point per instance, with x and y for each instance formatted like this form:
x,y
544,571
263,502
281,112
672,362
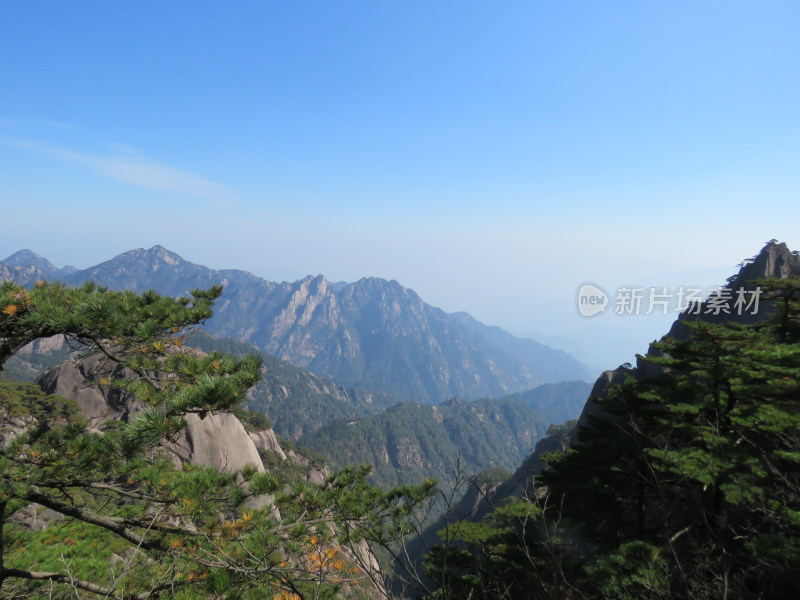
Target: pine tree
x,y
701,465
134,525
685,484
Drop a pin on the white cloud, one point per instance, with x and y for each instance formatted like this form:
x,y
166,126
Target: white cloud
x,y
136,171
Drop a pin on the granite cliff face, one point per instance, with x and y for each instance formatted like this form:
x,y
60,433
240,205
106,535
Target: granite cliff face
x,y
372,333
22,275
775,261
12,427
219,440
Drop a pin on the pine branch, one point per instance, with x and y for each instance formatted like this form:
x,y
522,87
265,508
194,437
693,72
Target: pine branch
x,y
113,524
78,583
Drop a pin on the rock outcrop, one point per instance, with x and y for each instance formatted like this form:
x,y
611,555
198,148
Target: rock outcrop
x,y
267,440
775,261
78,380
43,345
12,426
600,392
219,440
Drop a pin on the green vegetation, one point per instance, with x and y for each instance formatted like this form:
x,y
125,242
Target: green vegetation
x,y
27,400
557,402
30,366
296,401
686,485
408,441
131,524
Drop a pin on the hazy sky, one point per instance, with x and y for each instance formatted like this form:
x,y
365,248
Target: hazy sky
x,y
493,156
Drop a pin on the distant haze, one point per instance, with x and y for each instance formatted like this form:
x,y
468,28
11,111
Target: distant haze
x,y
491,158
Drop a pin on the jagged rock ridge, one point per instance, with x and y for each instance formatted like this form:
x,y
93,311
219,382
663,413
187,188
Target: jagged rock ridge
x,y
371,333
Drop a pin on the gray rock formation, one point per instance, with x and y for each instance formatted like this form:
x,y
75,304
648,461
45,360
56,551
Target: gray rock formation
x,y
267,440
12,427
43,345
78,380
35,517
22,275
774,261
600,392
219,441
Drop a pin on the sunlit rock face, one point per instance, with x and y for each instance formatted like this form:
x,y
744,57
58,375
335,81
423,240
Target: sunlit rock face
x,y
218,440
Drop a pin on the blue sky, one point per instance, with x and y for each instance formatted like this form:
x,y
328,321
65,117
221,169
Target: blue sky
x,y
492,156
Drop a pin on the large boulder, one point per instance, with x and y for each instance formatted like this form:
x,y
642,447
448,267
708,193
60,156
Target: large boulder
x,y
218,440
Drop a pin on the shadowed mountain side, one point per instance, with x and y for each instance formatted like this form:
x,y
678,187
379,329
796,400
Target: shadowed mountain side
x,y
774,261
557,402
409,442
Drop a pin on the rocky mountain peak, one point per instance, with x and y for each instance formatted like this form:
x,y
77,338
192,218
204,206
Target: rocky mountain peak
x,y
28,258
131,269
775,260
151,255
160,253
156,254
315,283
370,289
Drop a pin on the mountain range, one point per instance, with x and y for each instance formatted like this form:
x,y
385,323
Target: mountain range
x,y
402,441
383,345
372,333
408,441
